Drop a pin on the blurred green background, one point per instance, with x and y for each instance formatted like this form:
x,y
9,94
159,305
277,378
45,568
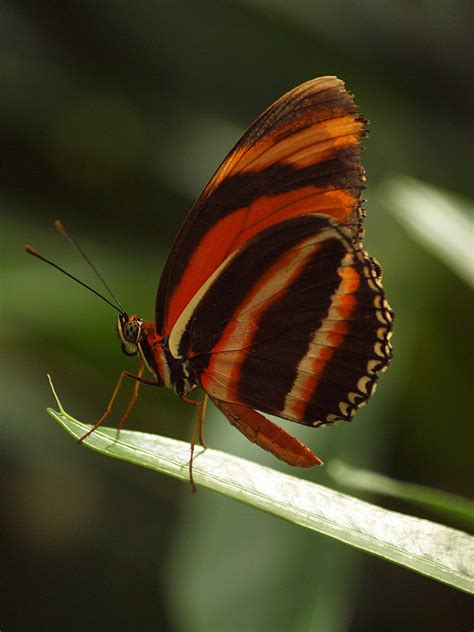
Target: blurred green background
x,y
113,115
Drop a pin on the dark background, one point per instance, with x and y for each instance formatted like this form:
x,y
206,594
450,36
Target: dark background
x,y
113,115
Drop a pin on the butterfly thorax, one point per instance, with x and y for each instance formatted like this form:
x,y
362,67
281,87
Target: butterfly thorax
x,y
176,373
141,337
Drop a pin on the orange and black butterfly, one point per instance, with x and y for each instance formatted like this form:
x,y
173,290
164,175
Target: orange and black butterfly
x,y
268,301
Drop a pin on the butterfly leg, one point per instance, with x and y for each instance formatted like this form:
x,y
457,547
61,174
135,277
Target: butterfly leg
x,y
201,415
132,401
139,379
266,434
198,426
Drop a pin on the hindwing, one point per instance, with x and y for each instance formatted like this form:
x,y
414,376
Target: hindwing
x,y
294,323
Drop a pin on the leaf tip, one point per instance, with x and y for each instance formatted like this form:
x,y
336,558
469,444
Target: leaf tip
x,y
61,409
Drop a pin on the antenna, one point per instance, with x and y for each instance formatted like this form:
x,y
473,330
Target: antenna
x,y
60,228
30,250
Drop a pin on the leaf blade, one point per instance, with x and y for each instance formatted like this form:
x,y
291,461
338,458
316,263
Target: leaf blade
x,y
434,550
437,500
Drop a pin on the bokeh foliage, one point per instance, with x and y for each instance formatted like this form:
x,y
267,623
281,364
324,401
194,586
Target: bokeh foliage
x,y
112,117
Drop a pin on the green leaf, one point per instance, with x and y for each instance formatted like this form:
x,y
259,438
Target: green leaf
x,y
439,552
440,221
444,503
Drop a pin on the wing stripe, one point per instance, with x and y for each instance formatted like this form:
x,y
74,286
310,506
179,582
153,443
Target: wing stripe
x,y
320,138
268,210
311,367
284,248
308,142
264,311
260,300
215,238
309,352
280,318
310,101
378,353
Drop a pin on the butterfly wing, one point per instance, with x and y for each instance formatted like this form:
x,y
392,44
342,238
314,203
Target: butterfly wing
x,y
303,331
301,156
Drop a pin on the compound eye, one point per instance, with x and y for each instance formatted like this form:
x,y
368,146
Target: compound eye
x,y
131,331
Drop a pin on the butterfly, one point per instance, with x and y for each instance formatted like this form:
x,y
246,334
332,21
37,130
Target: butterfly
x,y
268,301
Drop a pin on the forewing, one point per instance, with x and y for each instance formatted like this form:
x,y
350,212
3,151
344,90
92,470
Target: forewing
x,y
303,331
301,156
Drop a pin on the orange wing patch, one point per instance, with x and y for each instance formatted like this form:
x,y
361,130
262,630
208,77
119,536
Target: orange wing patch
x,y
244,223
301,156
311,144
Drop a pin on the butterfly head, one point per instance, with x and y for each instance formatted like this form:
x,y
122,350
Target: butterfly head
x,y
130,332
